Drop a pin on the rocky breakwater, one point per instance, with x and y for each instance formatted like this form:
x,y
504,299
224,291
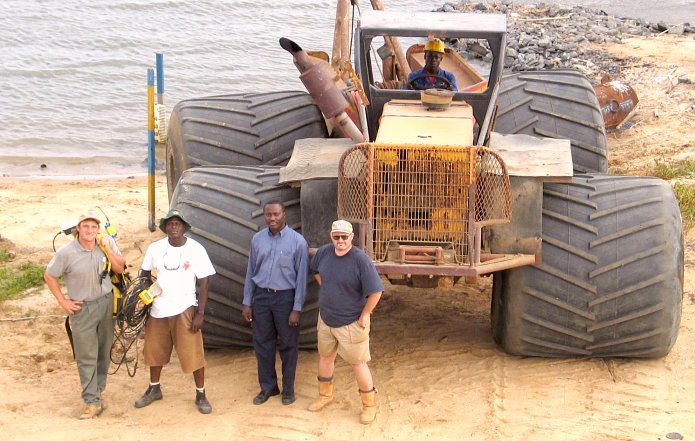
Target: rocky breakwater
x,y
545,36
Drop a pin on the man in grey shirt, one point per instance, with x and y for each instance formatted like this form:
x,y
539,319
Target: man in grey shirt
x,y
89,303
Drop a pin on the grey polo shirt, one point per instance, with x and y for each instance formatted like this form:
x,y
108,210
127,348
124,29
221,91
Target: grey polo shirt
x,y
82,269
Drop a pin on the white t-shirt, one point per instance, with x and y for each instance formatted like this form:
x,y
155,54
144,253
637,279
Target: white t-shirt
x,y
177,269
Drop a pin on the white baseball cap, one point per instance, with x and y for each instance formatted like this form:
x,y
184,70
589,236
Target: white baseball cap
x,y
341,226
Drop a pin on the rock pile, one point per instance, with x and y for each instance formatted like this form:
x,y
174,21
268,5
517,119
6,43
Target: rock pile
x,y
551,36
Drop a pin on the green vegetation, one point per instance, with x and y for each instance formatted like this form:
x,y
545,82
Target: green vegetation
x,y
14,280
673,170
686,199
16,277
685,193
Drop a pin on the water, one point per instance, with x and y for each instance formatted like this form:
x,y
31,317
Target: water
x,y
73,82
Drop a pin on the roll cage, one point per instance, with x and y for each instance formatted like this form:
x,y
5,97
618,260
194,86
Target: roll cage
x,y
373,24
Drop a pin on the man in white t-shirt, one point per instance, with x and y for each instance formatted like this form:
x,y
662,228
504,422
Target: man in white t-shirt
x,y
176,317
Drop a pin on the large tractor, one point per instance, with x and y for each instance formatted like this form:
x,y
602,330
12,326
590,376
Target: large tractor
x,y
505,177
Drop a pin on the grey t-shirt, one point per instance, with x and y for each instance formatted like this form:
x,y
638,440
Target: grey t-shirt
x,y
346,281
82,269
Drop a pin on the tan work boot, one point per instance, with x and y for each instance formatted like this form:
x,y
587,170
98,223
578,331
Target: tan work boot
x,y
368,406
325,395
91,411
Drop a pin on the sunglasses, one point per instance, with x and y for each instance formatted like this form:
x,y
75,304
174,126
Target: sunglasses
x,y
171,264
340,236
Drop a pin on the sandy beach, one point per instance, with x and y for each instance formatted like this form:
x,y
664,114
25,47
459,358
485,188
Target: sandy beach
x,y
439,374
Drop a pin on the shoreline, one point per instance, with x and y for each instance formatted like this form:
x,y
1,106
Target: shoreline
x,y
78,178
83,167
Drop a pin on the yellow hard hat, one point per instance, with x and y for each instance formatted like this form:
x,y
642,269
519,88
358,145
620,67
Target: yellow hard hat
x,y
435,45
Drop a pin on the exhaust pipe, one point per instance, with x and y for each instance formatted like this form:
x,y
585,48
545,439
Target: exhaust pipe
x,y
318,81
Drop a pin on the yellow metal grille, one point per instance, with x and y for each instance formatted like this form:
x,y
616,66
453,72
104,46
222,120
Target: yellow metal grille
x,y
493,199
420,195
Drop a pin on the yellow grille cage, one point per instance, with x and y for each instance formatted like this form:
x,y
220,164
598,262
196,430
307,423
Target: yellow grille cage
x,y
423,195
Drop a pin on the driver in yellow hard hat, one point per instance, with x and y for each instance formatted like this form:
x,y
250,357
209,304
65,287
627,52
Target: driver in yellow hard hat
x,y
431,76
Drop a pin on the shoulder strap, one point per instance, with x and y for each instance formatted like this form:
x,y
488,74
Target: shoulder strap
x,y
103,249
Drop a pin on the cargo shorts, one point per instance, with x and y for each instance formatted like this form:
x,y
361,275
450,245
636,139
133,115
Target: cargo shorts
x,y
164,334
351,341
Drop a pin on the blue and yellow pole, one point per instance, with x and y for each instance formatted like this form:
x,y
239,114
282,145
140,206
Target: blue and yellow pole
x,y
160,78
150,148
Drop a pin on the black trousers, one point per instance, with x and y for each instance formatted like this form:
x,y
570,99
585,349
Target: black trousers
x,y
271,312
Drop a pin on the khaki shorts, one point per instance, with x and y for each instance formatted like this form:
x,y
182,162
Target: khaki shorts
x,y
351,341
164,334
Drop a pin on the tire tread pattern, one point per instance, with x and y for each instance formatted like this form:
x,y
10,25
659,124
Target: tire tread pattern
x,y
610,283
555,104
246,129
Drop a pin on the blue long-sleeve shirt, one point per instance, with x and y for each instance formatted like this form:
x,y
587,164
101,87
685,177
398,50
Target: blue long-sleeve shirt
x,y
430,81
278,261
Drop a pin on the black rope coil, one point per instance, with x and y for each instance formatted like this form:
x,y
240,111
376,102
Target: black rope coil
x,y
130,322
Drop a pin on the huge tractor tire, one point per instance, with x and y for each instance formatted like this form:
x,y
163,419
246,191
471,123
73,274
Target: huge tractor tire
x,y
240,129
225,208
610,283
555,104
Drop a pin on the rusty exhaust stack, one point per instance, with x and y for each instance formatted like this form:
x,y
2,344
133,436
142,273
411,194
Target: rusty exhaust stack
x,y
318,80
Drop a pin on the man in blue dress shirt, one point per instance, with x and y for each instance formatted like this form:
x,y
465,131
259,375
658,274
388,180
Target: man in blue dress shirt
x,y
274,293
431,76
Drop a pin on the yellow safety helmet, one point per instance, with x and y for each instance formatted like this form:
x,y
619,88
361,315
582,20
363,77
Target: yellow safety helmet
x,y
435,45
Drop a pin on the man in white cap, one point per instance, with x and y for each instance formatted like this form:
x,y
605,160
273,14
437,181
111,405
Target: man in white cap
x,y
89,303
431,76
350,289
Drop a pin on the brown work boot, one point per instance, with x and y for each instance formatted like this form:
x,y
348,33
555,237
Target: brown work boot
x,y
368,406
92,410
325,395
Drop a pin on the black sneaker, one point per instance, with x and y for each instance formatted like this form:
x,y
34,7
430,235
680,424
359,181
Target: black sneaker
x,y
153,393
203,404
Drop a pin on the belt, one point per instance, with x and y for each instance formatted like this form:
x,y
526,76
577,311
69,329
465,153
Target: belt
x,y
274,291
98,299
